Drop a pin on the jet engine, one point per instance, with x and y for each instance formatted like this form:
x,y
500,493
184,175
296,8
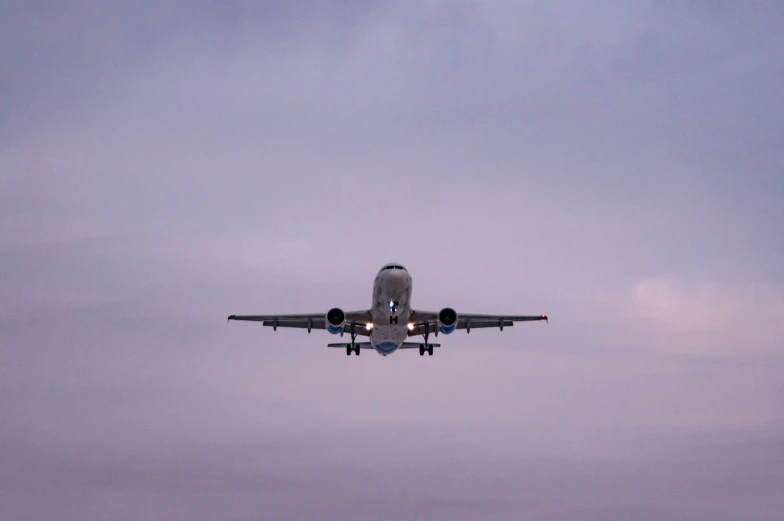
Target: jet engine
x,y
447,321
335,320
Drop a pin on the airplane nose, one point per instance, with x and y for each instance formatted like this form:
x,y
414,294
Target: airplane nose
x,y
396,275
397,280
395,287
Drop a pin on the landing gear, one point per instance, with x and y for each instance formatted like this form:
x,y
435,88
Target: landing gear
x,y
353,345
426,347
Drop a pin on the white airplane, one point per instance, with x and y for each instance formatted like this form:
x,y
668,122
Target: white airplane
x,y
391,320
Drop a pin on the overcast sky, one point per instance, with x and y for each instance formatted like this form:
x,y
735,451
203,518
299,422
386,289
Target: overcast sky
x,y
618,166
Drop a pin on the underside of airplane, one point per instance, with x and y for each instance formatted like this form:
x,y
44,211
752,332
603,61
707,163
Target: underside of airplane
x,y
390,323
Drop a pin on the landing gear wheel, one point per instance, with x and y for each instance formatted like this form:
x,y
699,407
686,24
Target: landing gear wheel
x,y
357,350
430,350
421,350
348,350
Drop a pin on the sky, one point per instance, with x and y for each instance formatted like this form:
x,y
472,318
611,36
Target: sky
x,y
618,166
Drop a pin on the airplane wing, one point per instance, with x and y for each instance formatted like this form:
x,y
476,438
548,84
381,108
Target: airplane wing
x,y
427,321
358,319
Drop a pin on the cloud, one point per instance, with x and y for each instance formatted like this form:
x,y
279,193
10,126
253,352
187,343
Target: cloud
x,y
165,164
666,303
716,318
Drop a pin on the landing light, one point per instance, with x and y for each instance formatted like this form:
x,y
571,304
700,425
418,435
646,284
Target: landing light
x,y
410,326
391,303
369,326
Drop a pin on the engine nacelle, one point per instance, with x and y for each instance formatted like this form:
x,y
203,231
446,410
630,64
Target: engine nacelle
x,y
335,320
447,321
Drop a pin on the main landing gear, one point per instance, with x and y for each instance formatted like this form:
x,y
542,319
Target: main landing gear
x,y
353,345
426,347
423,348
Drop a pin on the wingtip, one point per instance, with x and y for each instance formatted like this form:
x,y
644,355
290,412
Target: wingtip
x,y
230,318
544,317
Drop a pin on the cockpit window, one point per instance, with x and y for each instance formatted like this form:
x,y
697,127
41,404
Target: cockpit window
x,y
393,267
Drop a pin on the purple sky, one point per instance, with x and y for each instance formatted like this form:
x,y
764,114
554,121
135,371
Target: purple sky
x,y
618,167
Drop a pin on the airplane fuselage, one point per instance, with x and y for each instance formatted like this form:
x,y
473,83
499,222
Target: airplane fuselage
x,y
391,309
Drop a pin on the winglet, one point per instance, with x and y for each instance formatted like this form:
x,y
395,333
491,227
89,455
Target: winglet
x,y
544,317
230,318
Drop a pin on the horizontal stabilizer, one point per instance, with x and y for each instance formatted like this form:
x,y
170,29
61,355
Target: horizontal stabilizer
x,y
416,345
361,345
367,345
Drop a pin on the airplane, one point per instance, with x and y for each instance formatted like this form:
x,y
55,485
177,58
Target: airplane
x,y
391,320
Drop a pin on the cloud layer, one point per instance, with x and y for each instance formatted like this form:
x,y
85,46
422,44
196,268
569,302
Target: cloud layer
x,y
617,167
